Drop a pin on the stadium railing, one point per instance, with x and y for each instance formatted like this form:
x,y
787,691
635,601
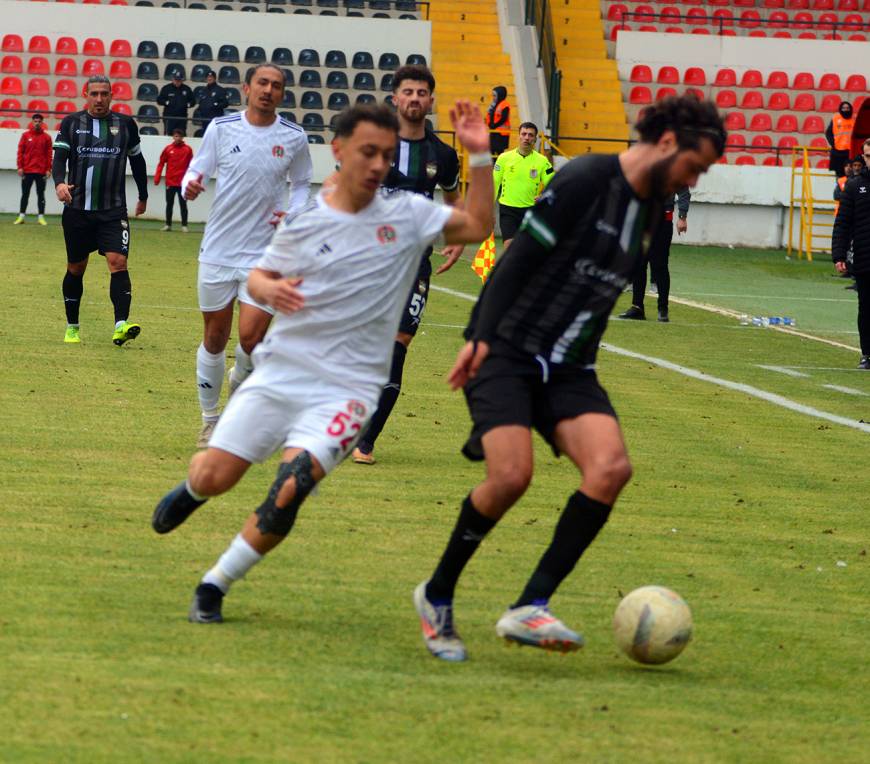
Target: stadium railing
x,y
539,16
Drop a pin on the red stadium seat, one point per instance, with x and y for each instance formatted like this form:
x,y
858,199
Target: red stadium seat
x,y
697,92
823,5
760,123
857,38
723,159
670,15
772,162
830,102
38,86
813,125
640,73
10,106
787,123
615,11
744,3
745,159
802,20
761,144
804,81
778,19
823,164
778,102
66,46
757,33
694,75
67,107
830,83
640,94
11,65
725,78
120,49
93,46
726,99
783,35
675,30
866,6
819,143
38,65
750,19
696,16
11,86
66,89
735,120
10,124
731,33
827,21
723,3
751,79
787,141
37,104
854,23
735,142
92,2
92,66
700,30
769,4
121,91
120,70
752,99
12,43
777,80
118,2
856,83
66,67
665,92
648,28
848,5
122,108
39,44
723,16
668,75
804,102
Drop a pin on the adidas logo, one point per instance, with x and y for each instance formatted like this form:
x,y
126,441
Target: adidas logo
x,y
205,385
236,149
324,250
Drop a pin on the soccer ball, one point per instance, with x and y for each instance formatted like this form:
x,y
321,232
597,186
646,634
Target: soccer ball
x,y
652,624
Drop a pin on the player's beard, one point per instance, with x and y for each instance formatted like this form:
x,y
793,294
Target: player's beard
x,y
660,184
416,119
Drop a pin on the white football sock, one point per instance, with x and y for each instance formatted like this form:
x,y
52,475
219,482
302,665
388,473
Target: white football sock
x,y
243,368
239,558
209,378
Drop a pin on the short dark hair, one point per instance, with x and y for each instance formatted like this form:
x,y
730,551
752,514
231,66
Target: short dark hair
x,y
249,75
416,72
211,73
378,114
529,126
97,79
37,115
179,131
690,118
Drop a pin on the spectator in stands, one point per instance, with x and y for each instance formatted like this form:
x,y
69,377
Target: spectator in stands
x,y
852,227
175,157
519,176
212,101
175,98
34,166
839,135
498,120
657,257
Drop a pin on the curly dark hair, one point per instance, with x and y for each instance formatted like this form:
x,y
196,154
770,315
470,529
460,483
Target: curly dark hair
x,y
689,117
416,73
378,114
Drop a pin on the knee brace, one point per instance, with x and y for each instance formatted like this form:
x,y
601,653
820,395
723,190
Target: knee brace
x,y
279,520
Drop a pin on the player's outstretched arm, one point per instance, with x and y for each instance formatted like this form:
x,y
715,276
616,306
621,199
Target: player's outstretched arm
x,y
470,357
473,223
273,289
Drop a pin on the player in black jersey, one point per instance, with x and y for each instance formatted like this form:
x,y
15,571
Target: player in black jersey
x,y
97,143
423,162
530,358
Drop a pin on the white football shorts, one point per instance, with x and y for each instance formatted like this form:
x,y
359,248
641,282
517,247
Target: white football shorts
x,y
219,285
281,406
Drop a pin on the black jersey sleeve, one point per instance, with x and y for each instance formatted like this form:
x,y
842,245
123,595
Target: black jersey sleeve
x,y
448,170
137,161
62,148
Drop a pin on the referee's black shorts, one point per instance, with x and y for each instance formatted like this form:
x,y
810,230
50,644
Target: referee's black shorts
x,y
102,230
509,220
514,388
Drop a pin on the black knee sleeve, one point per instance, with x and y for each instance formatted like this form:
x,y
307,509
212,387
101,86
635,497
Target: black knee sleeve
x,y
279,520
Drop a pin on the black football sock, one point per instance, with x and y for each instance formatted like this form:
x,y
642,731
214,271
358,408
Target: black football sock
x,y
581,520
120,294
471,528
389,396
73,288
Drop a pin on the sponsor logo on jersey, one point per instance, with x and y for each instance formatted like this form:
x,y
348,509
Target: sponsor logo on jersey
x,y
278,151
324,250
533,173
124,224
114,129
386,234
862,189
431,170
236,149
96,151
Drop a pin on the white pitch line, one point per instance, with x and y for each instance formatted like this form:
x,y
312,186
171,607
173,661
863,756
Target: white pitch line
x,y
847,390
782,370
740,387
773,297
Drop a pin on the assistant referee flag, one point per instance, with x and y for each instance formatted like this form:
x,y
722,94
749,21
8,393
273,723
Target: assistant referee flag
x,y
485,258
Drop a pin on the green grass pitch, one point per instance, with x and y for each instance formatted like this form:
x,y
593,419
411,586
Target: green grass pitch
x,y
754,513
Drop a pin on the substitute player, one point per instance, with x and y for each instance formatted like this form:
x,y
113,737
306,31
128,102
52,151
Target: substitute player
x,y
422,163
97,144
530,359
519,176
254,154
338,273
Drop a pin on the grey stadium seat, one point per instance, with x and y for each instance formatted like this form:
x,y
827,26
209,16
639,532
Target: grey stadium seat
x,y
147,92
229,75
337,81
147,49
202,52
282,57
289,100
387,82
147,70
174,68
388,62
199,72
234,96
311,99
289,115
364,81
229,54
309,78
416,59
337,101
362,60
148,113
174,51
147,129
255,55
308,57
366,99
312,121
315,138
335,59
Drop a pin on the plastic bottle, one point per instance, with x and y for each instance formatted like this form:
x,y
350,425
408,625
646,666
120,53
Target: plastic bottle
x,y
744,319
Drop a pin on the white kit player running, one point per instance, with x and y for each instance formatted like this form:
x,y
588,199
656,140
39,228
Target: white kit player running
x,y
338,274
254,154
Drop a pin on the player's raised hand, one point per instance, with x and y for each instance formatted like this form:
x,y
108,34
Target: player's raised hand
x,y
64,193
467,364
285,297
194,188
471,130
451,253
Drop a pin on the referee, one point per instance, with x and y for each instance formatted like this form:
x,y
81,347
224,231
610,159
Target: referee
x,y
529,361
96,144
519,177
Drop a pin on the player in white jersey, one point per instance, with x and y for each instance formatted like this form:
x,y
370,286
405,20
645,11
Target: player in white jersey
x,y
254,154
338,274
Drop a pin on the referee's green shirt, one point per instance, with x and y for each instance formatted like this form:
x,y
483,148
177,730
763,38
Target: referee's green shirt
x,y
522,178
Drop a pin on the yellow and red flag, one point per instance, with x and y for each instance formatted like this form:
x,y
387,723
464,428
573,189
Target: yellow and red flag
x,y
485,258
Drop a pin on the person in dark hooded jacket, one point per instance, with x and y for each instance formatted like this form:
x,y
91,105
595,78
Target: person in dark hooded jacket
x,y
498,120
839,135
